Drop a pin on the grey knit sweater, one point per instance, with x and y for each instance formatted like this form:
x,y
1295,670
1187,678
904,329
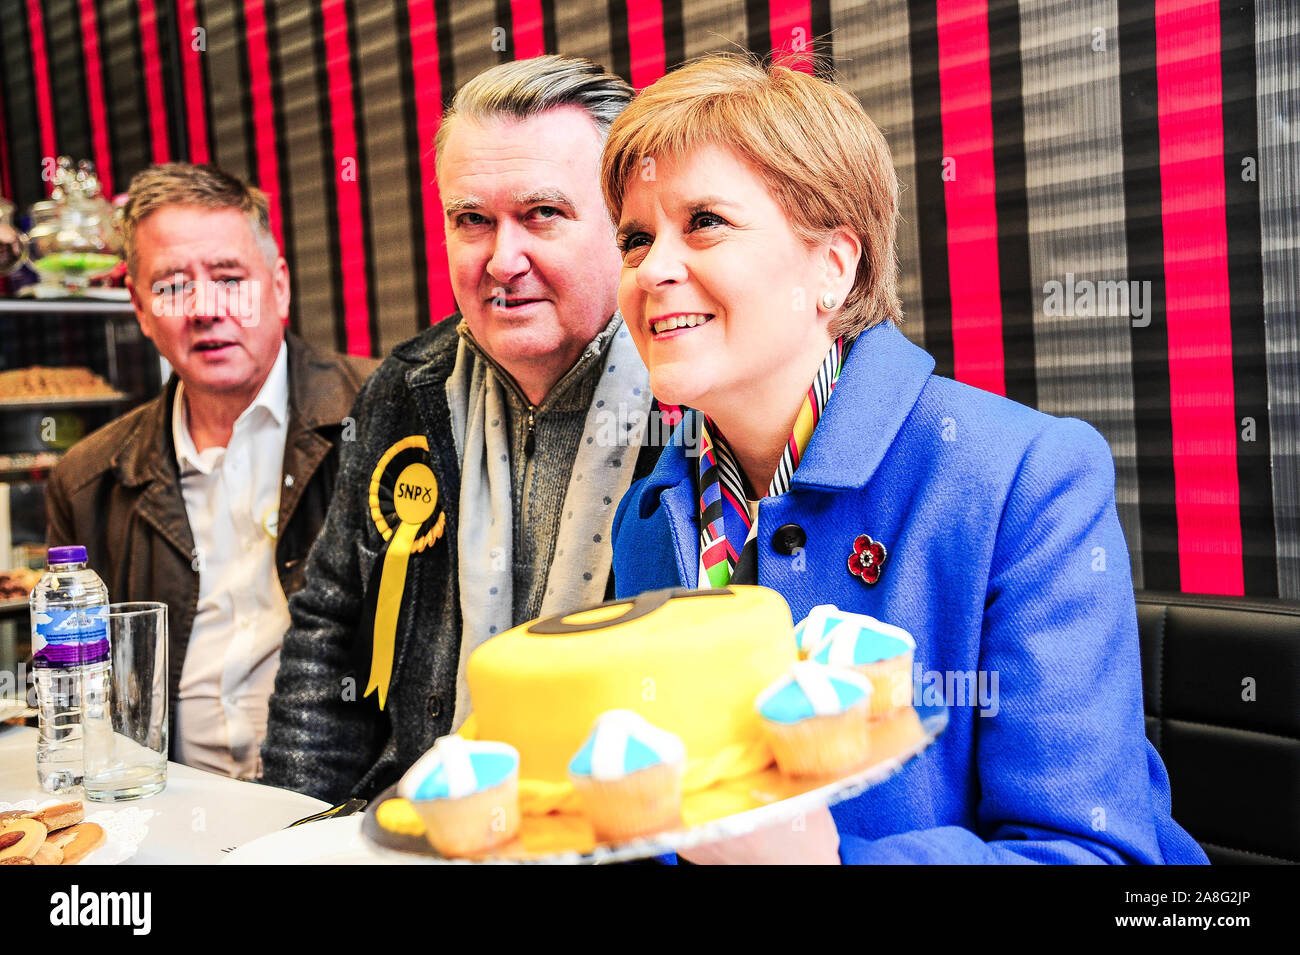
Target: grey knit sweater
x,y
544,442
323,738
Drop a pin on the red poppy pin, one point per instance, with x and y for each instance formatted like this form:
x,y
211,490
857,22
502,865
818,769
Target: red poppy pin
x,y
867,558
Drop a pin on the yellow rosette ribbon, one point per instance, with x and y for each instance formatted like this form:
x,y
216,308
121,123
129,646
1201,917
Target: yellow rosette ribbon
x,y
404,507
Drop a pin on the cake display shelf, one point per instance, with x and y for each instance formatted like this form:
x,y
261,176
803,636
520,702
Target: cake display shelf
x,y
67,401
725,810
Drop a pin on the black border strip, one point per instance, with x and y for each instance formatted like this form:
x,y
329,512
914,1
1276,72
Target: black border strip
x,y
141,94
68,79
1020,368
169,52
201,20
1144,234
329,181
363,175
413,149
1246,290
6,187
620,47
251,146
823,40
447,83
758,27
23,127
550,33
505,17
931,208
446,51
271,15
674,27
129,153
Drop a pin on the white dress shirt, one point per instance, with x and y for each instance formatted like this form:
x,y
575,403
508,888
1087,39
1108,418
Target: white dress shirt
x,y
232,497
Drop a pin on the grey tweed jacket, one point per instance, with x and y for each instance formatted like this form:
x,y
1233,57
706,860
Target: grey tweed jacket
x,y
323,737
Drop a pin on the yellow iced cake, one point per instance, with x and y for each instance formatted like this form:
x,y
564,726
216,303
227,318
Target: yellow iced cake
x,y
691,662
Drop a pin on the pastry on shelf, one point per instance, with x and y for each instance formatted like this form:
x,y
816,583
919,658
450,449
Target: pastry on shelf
x,y
39,381
17,584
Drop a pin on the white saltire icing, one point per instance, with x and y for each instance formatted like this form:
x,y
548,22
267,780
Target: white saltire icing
x,y
841,638
623,742
811,689
457,767
810,631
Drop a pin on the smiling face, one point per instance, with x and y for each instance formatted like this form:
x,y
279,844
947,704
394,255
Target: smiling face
x,y
207,298
720,294
533,261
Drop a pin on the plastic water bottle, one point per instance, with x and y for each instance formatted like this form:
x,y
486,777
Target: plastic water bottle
x,y
69,659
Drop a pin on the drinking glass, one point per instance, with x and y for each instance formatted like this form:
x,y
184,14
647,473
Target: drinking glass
x,y
124,718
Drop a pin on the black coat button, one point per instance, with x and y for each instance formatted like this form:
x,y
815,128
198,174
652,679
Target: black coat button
x,y
435,705
788,539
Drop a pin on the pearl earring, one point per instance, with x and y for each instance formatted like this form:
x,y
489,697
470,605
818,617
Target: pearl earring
x,y
829,301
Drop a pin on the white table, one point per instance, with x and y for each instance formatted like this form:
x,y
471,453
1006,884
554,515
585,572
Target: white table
x,y
196,819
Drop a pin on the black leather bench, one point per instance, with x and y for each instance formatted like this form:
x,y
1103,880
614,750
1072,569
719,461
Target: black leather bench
x,y
1221,689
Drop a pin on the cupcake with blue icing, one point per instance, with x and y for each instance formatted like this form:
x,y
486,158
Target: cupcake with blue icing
x,y
812,629
879,651
467,794
821,622
815,718
628,775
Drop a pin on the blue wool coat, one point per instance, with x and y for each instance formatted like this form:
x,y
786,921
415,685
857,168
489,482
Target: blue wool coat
x,y
1005,559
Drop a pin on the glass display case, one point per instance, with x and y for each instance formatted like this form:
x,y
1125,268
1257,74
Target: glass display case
x,y
67,367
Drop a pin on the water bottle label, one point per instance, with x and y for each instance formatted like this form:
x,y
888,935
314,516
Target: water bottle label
x,y
61,636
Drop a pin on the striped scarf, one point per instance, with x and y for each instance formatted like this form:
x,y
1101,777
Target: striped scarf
x,y
725,515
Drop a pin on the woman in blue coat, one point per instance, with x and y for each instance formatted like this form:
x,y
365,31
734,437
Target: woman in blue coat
x,y
756,214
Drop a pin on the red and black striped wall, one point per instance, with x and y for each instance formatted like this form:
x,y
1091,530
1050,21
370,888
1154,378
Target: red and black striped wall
x,y
1043,144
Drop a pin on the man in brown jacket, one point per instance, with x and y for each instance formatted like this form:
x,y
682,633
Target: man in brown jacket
x,y
210,496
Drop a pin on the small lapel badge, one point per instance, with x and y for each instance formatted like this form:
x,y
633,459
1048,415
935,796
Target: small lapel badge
x,y
867,559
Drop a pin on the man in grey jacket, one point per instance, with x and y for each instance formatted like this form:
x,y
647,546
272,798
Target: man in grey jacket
x,y
492,448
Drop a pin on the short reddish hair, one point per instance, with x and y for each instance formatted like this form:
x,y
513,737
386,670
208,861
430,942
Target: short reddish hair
x,y
822,158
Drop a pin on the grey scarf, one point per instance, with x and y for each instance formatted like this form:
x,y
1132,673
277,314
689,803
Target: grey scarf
x,y
476,398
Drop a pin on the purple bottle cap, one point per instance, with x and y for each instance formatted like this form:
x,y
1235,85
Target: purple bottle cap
x,y
76,554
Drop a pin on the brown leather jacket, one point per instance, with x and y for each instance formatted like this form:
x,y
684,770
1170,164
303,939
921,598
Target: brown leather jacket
x,y
118,492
